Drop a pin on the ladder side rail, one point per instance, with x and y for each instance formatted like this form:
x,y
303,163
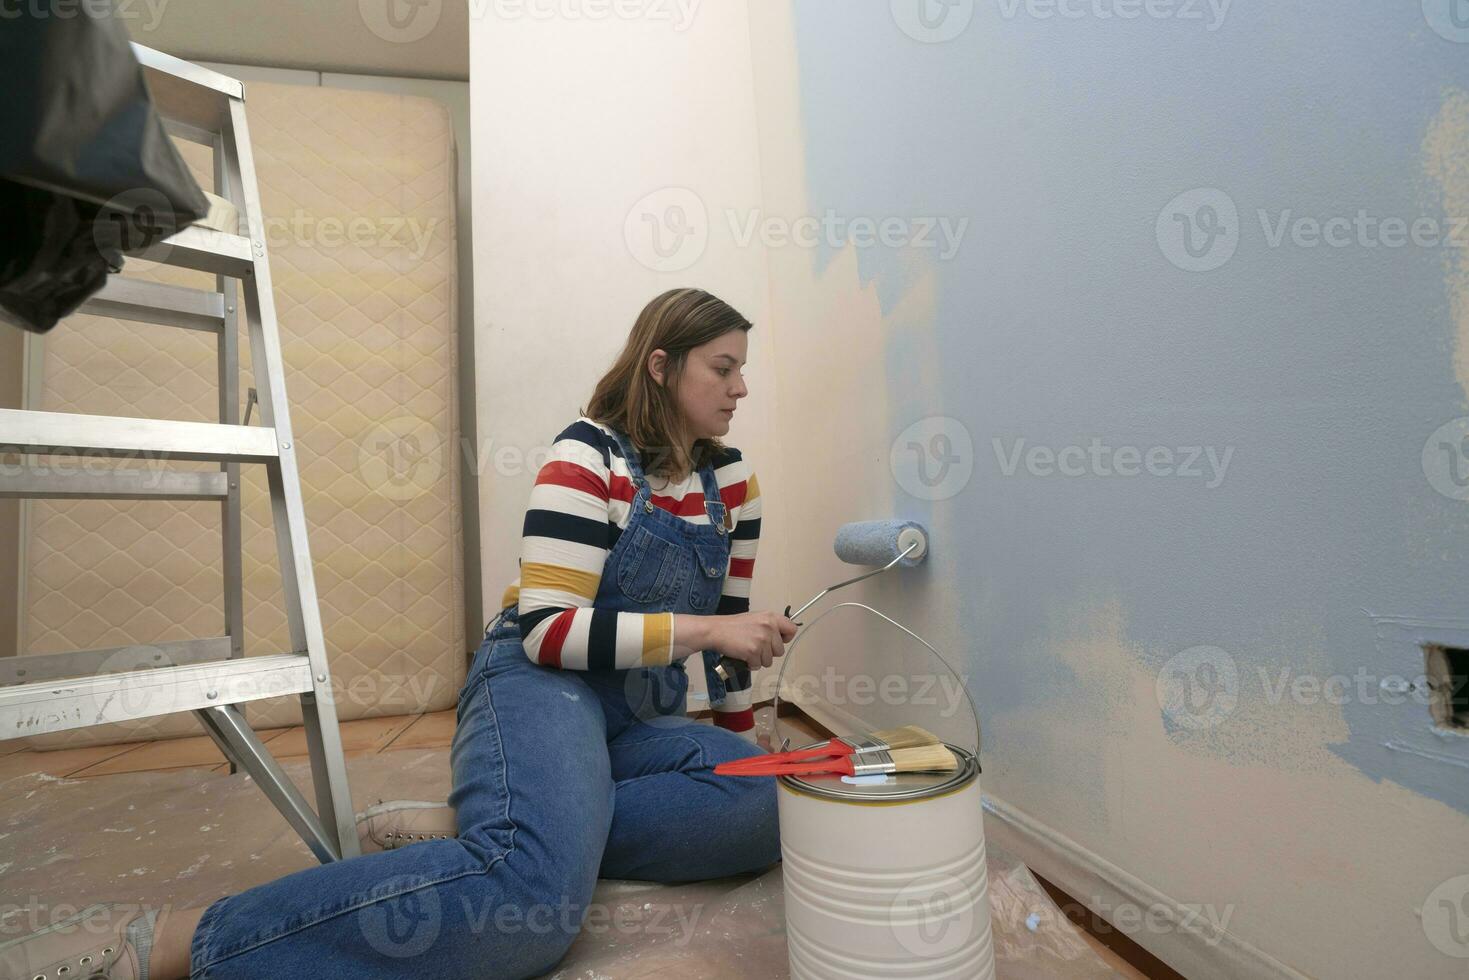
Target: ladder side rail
x,y
234,737
230,515
334,799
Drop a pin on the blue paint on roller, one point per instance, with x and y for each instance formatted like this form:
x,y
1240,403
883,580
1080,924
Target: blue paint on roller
x,y
877,543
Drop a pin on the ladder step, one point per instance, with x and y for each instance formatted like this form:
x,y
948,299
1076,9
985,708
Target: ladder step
x,y
105,435
189,93
43,667
205,250
156,302
77,483
35,709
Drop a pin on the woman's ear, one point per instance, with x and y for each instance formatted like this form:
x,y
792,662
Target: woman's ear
x,y
657,363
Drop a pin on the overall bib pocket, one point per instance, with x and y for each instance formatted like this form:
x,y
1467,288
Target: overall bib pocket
x,y
709,577
652,568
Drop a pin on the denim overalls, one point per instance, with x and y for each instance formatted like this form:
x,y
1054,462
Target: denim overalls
x,y
560,776
662,563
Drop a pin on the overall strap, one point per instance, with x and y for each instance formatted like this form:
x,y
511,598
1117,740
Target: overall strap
x,y
713,502
630,456
635,468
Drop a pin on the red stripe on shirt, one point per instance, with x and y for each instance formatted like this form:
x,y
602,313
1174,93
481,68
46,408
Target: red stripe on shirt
x,y
734,494
556,630
566,474
736,721
742,567
690,504
619,488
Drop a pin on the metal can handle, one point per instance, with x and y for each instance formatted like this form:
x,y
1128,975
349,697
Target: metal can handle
x,y
775,721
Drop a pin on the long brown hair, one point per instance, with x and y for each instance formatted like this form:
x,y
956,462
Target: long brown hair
x,y
631,401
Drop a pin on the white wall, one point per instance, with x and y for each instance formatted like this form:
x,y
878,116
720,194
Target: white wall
x,y
574,123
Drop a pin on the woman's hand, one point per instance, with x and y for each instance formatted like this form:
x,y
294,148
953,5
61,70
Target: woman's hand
x,y
757,638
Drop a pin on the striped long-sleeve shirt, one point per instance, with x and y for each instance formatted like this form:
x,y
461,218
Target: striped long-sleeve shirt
x,y
579,506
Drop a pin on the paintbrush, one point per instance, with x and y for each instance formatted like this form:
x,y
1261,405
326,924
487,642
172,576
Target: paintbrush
x,y
907,737
923,758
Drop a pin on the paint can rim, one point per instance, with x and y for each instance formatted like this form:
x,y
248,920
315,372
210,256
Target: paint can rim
x,y
903,787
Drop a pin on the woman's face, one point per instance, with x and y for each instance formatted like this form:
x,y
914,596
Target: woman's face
x,y
711,384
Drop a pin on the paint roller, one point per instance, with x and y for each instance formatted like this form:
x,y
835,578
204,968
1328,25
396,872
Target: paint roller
x,y
858,543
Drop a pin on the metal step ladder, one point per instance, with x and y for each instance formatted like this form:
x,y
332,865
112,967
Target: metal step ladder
x,y
211,676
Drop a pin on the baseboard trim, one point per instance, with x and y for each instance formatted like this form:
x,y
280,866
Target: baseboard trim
x,y
1188,943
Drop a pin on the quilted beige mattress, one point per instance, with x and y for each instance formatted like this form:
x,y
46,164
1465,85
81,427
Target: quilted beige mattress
x,y
358,190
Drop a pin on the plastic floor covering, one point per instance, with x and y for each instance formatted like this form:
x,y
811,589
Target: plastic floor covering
x,y
185,837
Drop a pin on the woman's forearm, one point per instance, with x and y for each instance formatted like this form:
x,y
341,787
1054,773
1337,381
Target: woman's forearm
x,y
691,634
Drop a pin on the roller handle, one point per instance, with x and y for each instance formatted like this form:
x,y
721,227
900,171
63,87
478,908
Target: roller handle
x,y
736,673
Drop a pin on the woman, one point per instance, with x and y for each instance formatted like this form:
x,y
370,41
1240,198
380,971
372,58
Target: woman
x,y
573,758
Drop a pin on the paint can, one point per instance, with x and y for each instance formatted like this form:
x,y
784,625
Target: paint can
x,y
886,879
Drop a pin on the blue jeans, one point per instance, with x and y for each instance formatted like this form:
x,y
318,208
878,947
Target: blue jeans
x,y
560,777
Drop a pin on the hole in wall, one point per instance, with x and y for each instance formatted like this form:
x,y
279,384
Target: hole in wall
x,y
1447,671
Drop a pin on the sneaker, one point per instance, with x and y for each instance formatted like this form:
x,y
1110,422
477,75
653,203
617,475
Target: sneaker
x,y
398,823
92,943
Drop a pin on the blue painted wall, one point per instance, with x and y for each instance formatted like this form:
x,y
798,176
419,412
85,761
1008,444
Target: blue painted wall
x,y
1321,370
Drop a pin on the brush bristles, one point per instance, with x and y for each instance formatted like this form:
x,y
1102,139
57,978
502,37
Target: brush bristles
x,y
925,758
907,737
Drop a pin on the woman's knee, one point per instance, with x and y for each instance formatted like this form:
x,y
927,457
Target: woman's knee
x,y
761,814
523,919
723,745
754,809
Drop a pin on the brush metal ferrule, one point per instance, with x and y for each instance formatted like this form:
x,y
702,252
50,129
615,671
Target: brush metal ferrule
x,y
872,763
863,744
